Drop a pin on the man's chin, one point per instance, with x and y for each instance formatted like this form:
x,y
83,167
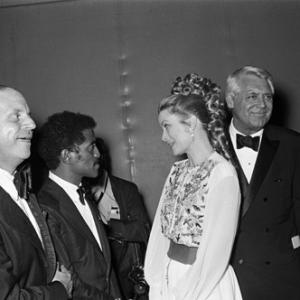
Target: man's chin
x,y
18,159
93,174
257,126
25,154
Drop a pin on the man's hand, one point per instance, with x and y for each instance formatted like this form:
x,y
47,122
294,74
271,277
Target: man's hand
x,y
64,276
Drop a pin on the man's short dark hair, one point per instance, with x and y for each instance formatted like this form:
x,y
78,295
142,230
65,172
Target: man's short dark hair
x,y
62,131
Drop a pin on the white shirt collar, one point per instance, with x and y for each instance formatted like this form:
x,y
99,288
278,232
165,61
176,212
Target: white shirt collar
x,y
7,183
68,187
84,210
6,174
63,183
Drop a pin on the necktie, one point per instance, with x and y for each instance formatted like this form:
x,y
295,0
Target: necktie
x,y
23,183
247,141
81,191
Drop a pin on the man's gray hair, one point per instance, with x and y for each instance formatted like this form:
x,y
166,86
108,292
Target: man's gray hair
x,y
232,80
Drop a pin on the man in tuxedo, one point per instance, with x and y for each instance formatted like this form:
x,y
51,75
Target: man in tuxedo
x,y
266,252
127,224
67,145
28,268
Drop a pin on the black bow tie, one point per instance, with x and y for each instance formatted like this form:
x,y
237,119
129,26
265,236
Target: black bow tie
x,y
22,181
81,191
247,141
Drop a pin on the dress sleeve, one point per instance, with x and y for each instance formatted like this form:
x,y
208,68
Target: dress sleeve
x,y
156,252
219,228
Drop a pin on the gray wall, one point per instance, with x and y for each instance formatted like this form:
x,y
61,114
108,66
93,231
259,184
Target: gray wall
x,y
115,60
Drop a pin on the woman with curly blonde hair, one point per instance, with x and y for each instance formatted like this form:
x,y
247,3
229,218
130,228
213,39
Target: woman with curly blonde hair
x,y
194,228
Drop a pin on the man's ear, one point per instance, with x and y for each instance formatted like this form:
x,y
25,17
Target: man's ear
x,y
66,156
230,100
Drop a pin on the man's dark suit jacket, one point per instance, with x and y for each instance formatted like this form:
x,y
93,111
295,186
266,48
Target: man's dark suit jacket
x,y
129,235
265,262
76,246
23,265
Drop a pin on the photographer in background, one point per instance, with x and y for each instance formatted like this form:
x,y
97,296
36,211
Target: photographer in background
x,y
122,209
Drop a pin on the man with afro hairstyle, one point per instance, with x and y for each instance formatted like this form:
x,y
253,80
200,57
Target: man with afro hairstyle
x,y
67,145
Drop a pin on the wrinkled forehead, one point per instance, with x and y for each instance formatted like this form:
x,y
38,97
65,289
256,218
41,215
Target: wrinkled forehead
x,y
252,81
12,98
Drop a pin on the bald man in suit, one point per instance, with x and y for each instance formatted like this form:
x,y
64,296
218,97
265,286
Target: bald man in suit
x,y
27,259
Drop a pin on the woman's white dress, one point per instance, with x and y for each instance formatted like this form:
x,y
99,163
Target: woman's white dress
x,y
214,198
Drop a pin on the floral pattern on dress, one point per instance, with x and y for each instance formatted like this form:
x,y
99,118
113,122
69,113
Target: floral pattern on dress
x,y
184,198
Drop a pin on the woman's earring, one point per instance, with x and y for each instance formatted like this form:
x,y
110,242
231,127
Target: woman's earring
x,y
192,134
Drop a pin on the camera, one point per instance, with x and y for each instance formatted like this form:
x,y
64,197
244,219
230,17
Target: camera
x,y
136,276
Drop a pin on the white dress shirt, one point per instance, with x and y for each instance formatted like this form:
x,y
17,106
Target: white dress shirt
x,y
7,183
84,210
247,156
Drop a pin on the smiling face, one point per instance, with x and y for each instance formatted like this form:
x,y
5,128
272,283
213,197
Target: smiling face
x,y
86,162
16,127
252,106
175,133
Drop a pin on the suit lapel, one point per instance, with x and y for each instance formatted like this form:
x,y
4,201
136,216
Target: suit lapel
x,y
71,213
264,160
244,185
15,217
101,233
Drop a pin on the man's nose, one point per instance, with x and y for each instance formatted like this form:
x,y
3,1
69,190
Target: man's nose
x,y
96,152
261,100
29,123
164,136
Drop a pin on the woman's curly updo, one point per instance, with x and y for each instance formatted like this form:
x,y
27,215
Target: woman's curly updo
x,y
201,97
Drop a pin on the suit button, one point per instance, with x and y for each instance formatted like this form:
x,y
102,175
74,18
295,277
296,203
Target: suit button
x,y
265,199
267,229
240,261
267,263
